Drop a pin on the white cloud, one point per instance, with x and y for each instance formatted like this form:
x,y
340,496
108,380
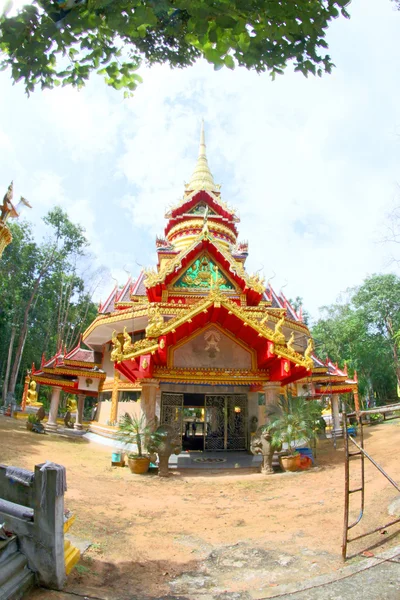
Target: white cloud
x,y
310,164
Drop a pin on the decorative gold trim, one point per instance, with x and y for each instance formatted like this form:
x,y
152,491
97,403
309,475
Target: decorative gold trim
x,y
212,376
218,298
82,363
75,372
251,281
196,223
55,382
122,386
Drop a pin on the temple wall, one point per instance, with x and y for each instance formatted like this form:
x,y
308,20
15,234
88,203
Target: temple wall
x,y
107,365
212,348
104,410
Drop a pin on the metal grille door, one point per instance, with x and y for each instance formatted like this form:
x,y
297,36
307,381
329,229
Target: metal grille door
x,y
236,422
172,411
226,422
215,411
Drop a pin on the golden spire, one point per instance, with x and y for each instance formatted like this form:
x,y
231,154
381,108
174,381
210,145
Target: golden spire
x,y
202,178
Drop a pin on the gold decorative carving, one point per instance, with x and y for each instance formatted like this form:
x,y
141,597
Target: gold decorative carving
x,y
162,344
116,352
253,282
128,346
307,354
156,322
145,363
278,336
291,342
212,376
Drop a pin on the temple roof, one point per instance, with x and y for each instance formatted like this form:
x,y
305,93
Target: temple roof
x,y
202,178
205,240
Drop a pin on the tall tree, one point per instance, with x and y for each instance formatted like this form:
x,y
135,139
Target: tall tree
x,y
49,42
378,302
44,299
357,331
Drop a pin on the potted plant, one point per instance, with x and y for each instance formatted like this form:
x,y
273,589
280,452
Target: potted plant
x,y
297,423
32,419
134,430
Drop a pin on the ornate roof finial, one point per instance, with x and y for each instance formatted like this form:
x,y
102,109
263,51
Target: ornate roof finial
x,y
202,178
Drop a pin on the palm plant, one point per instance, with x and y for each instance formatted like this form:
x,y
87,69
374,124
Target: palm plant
x,y
299,420
134,430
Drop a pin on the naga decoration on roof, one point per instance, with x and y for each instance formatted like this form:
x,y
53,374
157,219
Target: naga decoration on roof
x,y
116,352
156,321
128,346
278,336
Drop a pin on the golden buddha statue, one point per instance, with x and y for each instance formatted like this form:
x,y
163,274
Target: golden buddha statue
x,y
71,405
32,396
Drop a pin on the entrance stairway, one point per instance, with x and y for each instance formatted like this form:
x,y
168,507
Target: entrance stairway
x,y
15,577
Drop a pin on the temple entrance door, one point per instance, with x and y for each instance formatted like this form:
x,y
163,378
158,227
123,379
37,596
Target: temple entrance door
x,y
225,422
215,418
172,411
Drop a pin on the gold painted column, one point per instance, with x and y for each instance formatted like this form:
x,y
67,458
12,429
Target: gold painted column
x,y
114,399
51,424
148,399
25,394
79,413
272,391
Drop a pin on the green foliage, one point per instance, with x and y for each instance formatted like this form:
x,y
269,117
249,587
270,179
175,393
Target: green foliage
x,y
44,300
32,419
298,305
375,417
45,46
361,332
134,430
298,420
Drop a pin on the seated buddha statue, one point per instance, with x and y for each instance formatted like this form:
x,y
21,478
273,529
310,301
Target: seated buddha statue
x,y
32,396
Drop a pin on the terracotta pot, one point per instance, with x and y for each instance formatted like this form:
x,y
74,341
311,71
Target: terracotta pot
x,y
139,465
305,463
29,426
291,463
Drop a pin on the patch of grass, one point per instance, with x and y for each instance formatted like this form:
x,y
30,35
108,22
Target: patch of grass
x,y
82,570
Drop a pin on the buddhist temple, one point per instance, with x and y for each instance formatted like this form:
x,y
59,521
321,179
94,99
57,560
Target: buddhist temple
x,y
199,339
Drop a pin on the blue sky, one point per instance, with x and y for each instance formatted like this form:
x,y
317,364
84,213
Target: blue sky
x,y
312,165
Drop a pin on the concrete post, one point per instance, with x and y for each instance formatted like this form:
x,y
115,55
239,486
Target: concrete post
x,y
272,390
148,399
51,424
42,539
335,415
79,413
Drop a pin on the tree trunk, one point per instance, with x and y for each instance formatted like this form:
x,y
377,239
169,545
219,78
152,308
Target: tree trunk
x,y
9,356
393,343
24,333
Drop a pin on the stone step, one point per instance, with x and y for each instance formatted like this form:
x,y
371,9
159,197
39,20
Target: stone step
x,y
15,587
8,547
14,563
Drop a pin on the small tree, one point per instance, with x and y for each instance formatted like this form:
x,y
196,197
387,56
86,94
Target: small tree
x,y
134,430
299,420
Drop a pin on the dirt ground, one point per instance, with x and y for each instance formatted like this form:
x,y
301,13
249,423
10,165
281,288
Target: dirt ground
x,y
205,534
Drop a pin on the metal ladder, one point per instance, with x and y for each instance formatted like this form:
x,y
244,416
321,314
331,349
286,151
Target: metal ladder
x,y
362,454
